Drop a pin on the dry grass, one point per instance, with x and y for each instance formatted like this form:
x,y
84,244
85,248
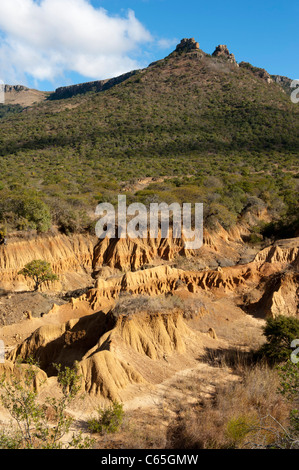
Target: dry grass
x,y
129,305
215,413
233,418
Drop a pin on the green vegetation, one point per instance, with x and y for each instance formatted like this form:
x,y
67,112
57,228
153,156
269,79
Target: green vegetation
x,y
35,425
260,410
7,110
109,419
217,134
279,332
40,271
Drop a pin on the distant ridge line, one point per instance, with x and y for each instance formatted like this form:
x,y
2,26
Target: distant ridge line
x,y
95,86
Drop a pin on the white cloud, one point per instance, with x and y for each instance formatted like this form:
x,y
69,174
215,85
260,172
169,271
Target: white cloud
x,y
47,38
167,43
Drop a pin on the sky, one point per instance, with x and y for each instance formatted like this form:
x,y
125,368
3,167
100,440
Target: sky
x,y
46,44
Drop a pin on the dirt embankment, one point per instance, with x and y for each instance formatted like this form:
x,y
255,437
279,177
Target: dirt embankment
x,y
123,351
70,258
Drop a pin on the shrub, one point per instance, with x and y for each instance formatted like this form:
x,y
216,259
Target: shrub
x,y
34,431
238,428
109,419
280,332
289,387
36,213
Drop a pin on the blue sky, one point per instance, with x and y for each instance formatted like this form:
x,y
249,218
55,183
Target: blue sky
x,y
45,44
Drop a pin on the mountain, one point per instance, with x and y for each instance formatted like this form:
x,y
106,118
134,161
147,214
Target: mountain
x,y
23,96
190,127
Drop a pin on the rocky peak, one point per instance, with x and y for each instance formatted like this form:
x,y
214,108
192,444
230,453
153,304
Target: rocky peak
x,y
187,45
222,51
17,88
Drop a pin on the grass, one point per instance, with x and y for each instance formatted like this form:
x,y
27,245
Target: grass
x,y
242,414
241,411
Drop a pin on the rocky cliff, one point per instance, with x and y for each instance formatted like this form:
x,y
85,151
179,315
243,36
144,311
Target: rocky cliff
x,y
113,352
70,257
119,338
96,86
223,52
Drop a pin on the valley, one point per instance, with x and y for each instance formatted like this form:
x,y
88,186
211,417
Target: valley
x,y
166,331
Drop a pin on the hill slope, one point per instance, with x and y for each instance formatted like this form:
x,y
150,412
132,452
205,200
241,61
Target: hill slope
x,y
202,122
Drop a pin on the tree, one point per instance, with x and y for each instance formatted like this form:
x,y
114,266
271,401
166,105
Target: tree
x,y
36,212
280,332
34,429
40,271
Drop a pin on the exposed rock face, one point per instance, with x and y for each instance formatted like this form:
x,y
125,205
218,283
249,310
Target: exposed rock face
x,y
116,348
97,86
257,71
284,82
223,52
282,251
70,257
23,96
187,45
14,371
75,258
127,253
281,296
131,254
163,279
110,351
17,88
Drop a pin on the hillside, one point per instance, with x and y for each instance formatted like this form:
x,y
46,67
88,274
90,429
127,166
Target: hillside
x,y
170,334
212,130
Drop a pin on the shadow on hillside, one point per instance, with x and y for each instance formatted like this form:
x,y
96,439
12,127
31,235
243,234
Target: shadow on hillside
x,y
234,357
72,344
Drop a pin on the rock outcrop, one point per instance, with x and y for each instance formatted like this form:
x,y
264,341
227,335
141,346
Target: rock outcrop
x,y
257,71
96,86
163,279
132,254
281,296
187,45
17,88
116,348
110,351
284,82
282,251
17,372
23,96
223,52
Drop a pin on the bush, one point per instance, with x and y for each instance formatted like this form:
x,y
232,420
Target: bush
x,y
289,387
35,214
238,428
34,431
109,419
280,332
